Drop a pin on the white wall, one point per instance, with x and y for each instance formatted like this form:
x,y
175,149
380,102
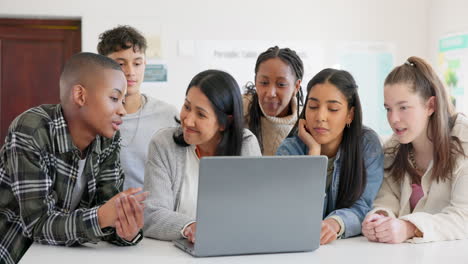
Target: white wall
x,y
449,17
329,23
445,17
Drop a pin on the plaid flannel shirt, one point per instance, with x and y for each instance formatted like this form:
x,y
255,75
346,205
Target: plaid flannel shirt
x,y
38,171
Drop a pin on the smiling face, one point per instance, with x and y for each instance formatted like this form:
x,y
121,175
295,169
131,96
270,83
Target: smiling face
x,y
276,85
133,64
327,114
103,108
407,112
199,122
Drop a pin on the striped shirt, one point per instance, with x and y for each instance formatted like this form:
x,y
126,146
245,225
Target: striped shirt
x,y
38,173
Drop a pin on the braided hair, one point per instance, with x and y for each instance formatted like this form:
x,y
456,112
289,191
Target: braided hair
x,y
289,57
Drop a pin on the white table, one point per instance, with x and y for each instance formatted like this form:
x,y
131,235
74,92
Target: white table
x,y
354,250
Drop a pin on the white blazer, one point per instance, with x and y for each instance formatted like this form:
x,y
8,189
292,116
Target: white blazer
x,y
442,214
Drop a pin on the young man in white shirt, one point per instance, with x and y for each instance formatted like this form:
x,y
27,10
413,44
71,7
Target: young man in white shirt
x,y
145,114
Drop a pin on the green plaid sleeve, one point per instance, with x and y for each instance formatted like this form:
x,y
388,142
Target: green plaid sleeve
x,y
110,183
34,190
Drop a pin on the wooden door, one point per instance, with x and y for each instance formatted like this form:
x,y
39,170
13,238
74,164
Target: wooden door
x,y
32,54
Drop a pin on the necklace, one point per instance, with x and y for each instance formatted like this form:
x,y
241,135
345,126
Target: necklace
x,y
413,163
143,102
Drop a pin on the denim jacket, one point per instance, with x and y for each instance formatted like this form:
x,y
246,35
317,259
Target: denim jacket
x,y
373,162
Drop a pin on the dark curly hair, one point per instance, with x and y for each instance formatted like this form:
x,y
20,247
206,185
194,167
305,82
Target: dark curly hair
x,y
121,38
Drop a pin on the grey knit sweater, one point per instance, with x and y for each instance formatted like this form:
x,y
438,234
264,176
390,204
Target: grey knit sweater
x,y
164,173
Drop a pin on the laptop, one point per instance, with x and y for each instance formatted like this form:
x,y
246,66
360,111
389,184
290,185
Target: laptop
x,y
253,205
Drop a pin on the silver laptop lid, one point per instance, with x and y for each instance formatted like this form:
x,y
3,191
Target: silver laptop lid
x,y
252,205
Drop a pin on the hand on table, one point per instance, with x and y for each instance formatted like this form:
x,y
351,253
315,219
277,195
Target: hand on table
x,y
124,211
385,229
329,232
189,232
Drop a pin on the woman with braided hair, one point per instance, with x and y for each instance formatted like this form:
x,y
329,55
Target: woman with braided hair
x,y
272,105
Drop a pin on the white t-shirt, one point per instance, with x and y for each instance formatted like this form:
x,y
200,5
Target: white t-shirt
x,y
79,185
189,189
136,131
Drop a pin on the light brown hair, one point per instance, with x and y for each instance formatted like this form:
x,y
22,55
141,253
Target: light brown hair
x,y
423,80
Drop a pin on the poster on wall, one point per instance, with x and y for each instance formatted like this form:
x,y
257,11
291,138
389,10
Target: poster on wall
x,y
369,63
453,64
155,71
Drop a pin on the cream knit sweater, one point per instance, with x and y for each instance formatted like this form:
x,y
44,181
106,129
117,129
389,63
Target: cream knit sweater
x,y
274,129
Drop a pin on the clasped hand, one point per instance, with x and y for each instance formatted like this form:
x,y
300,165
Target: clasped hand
x,y
380,228
124,211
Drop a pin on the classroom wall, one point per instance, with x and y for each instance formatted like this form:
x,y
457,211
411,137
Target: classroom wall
x,y
445,17
329,23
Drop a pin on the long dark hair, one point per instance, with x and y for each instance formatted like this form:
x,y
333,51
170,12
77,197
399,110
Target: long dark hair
x,y
223,92
353,174
423,80
289,57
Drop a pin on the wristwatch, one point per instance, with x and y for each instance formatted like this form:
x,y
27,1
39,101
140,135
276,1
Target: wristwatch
x,y
134,240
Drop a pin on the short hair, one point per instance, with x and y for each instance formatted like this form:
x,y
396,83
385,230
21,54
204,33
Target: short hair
x,y
121,38
82,66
